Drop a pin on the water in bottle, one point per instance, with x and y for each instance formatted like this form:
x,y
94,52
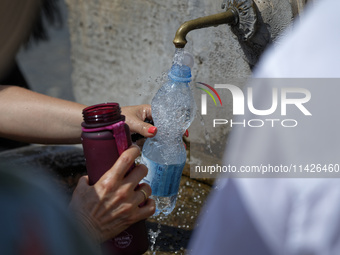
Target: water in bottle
x,y
173,110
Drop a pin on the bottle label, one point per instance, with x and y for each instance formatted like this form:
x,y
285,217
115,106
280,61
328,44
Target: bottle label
x,y
163,179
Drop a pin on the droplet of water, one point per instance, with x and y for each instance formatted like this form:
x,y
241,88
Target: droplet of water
x,y
153,237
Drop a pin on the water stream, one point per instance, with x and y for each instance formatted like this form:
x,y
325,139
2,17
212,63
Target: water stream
x,y
153,238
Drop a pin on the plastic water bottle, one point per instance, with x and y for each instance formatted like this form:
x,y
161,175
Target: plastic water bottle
x,y
105,136
173,110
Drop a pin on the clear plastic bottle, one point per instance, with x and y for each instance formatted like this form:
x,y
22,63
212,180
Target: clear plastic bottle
x,y
173,110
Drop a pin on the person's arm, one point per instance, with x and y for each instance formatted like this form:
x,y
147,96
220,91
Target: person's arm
x,y
31,117
36,118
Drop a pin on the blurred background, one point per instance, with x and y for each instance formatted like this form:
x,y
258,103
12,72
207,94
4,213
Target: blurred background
x,y
46,65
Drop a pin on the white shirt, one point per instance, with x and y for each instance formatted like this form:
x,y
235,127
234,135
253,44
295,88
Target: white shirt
x,y
287,216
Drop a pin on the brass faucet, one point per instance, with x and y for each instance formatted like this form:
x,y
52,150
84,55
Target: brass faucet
x,y
239,12
228,17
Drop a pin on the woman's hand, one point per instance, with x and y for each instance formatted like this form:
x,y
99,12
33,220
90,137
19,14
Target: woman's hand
x,y
112,204
135,116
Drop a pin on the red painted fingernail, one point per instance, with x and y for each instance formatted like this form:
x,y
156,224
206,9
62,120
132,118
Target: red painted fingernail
x,y
186,133
185,146
152,130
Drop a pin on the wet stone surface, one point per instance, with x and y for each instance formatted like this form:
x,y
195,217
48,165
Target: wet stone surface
x,y
66,164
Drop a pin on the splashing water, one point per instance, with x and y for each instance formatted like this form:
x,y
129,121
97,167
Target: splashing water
x,y
153,237
183,57
206,134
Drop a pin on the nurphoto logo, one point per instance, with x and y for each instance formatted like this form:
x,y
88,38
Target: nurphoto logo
x,y
204,97
280,99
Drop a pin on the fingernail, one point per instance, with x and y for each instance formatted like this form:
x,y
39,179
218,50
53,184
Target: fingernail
x,y
185,146
152,130
186,134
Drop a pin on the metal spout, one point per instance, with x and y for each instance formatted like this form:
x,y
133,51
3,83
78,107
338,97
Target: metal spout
x,y
230,17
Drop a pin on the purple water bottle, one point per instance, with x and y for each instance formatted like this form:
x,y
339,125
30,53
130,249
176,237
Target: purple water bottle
x,y
105,136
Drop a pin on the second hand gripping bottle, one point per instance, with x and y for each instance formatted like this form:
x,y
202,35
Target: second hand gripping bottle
x,y
173,109
104,137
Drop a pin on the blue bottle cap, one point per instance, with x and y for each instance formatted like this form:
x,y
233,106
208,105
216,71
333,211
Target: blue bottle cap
x,y
180,73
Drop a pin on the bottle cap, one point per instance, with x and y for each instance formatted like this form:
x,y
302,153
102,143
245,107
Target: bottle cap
x,y
180,73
